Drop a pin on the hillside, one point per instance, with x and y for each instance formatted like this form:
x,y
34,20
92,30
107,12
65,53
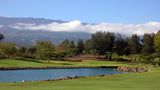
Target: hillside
x,y
29,37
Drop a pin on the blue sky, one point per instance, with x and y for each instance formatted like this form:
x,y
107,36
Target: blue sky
x,y
89,11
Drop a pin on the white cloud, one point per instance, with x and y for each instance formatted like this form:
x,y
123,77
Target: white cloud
x,y
69,26
1,25
77,26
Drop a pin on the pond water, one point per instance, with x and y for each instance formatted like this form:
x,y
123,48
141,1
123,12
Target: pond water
x,y
43,74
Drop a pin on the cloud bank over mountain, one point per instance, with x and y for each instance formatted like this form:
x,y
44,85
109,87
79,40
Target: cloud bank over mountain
x,y
78,26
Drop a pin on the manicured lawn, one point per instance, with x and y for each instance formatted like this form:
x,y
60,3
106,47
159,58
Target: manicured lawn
x,y
131,81
43,63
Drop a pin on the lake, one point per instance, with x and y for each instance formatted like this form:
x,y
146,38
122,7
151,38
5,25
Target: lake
x,y
43,74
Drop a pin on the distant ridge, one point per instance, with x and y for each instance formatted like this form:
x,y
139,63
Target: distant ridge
x,y
11,20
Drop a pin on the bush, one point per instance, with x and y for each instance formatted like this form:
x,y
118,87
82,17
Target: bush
x,y
149,58
28,56
122,59
59,54
39,58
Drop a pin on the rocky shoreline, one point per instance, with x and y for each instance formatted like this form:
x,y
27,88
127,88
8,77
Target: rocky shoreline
x,y
75,77
132,69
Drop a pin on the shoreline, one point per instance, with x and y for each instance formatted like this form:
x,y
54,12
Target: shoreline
x,y
71,78
24,68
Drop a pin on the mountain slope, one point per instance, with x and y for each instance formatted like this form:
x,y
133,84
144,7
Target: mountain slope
x,y
29,37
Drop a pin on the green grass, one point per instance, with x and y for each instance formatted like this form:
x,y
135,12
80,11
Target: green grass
x,y
130,81
42,63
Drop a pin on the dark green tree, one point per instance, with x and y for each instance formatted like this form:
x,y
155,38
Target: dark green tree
x,y
87,47
7,49
121,46
109,40
97,42
1,37
59,55
32,50
44,46
21,51
157,44
148,47
74,51
80,46
72,44
47,56
63,46
66,41
134,44
102,42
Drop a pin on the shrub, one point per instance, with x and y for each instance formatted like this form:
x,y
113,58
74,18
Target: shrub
x,y
122,59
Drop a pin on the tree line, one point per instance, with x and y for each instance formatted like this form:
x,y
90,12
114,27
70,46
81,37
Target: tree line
x,y
100,43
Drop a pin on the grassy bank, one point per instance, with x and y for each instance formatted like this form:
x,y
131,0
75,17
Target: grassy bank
x,y
131,81
42,63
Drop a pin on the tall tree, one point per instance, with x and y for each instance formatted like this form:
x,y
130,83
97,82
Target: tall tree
x,y
63,46
72,44
72,51
44,46
97,42
80,46
7,49
134,44
47,55
22,50
109,40
102,42
32,50
66,41
1,37
121,46
148,40
157,44
87,47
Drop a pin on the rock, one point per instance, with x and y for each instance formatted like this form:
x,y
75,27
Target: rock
x,y
129,69
157,64
47,80
76,77
61,78
23,80
68,77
